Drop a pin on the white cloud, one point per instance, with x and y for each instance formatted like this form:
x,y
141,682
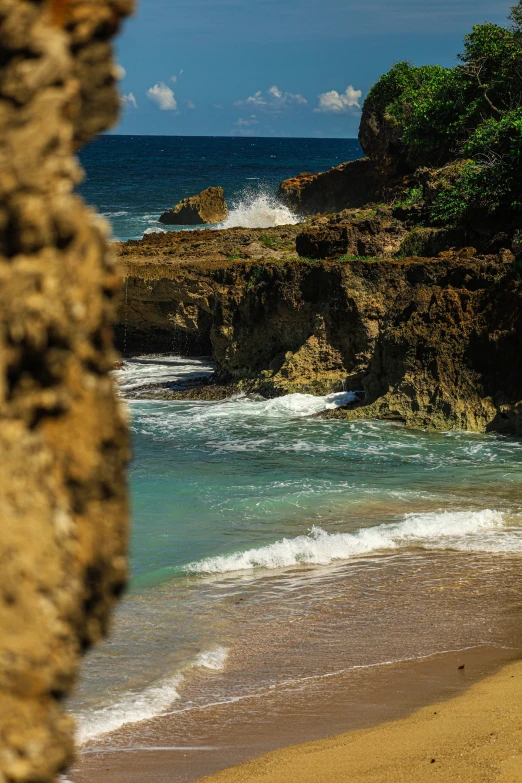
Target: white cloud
x,y
257,99
129,100
243,123
332,102
190,105
274,101
176,76
163,97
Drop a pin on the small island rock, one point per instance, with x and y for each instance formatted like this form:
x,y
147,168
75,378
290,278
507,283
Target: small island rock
x,y
207,207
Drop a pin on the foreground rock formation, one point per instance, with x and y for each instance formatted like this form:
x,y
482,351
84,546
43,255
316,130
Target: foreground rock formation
x,y
63,437
209,206
432,342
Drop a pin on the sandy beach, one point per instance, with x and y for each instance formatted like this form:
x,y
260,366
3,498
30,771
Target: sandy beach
x,y
174,749
474,737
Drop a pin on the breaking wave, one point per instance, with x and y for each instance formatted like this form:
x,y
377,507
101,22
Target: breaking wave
x,y
259,209
135,707
474,531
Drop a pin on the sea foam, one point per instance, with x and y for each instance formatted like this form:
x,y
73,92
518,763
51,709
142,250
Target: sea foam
x,y
290,406
134,707
259,209
131,708
464,530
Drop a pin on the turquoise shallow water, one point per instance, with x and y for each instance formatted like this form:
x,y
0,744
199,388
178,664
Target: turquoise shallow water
x,y
270,545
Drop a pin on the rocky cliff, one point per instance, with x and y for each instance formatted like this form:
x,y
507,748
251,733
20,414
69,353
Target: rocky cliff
x,y
63,440
432,342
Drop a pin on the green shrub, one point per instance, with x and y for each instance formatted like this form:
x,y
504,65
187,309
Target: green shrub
x,y
471,113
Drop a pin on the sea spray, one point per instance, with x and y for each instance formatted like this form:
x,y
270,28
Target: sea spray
x,y
442,530
259,209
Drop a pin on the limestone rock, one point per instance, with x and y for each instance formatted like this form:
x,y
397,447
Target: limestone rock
x,y
349,185
369,232
209,206
432,342
63,434
379,136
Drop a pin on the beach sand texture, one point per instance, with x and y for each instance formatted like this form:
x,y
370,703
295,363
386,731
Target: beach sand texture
x,y
473,738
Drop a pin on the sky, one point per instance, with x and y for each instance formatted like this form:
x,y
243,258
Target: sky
x,y
290,68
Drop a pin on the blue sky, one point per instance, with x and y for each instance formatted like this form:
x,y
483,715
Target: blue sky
x,y
277,67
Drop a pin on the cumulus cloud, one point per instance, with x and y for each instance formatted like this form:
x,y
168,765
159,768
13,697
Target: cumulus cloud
x,y
129,101
274,101
190,105
163,97
333,102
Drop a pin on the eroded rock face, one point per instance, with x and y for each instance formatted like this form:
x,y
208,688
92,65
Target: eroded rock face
x,y
209,206
379,136
63,436
349,185
368,232
431,342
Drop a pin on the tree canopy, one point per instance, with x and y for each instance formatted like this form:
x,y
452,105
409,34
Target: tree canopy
x,y
470,114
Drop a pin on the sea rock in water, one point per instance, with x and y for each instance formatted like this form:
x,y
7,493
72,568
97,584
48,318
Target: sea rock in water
x,y
207,207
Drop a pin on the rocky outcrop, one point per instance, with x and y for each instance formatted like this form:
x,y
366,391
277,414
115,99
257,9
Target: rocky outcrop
x,y
63,436
430,342
209,206
175,315
366,233
347,186
352,185
380,136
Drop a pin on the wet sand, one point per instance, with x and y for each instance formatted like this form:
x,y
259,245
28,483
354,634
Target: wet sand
x,y
474,738
177,748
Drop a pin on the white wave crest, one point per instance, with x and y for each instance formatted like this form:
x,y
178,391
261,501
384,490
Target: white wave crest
x,y
291,405
135,707
155,230
465,530
214,659
132,708
259,209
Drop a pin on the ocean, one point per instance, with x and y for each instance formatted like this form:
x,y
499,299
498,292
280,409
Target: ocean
x,y
133,179
285,568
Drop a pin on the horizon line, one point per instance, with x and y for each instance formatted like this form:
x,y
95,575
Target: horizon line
x,y
217,136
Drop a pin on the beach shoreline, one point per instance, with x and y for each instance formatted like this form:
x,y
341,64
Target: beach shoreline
x,y
245,751
476,736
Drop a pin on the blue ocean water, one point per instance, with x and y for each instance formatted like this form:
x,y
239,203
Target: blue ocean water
x,y
270,548
133,179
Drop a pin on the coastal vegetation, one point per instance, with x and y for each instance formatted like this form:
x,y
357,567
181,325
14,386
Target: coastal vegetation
x,y
459,129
